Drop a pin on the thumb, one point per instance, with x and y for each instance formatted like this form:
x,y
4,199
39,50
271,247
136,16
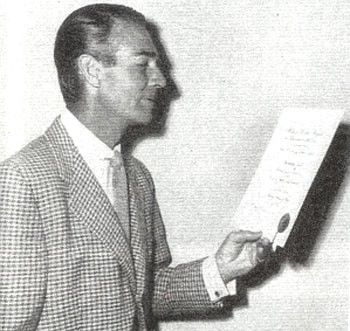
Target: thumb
x,y
243,236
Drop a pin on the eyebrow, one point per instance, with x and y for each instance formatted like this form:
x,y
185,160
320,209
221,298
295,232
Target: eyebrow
x,y
146,53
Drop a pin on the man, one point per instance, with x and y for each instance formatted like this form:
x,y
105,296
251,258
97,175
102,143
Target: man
x,y
82,242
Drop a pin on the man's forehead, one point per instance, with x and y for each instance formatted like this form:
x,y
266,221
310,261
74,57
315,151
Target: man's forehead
x,y
134,37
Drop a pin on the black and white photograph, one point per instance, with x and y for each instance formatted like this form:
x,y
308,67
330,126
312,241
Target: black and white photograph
x,y
174,165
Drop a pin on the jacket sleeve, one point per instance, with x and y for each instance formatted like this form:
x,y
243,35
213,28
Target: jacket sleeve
x,y
22,254
179,290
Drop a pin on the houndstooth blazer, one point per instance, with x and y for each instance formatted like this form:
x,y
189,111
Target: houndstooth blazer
x,y
65,263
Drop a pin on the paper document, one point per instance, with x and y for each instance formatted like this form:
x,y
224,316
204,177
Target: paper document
x,y
286,171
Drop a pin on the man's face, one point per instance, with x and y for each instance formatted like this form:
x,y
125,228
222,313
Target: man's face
x,y
129,89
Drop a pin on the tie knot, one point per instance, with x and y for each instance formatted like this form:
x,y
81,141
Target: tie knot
x,y
116,161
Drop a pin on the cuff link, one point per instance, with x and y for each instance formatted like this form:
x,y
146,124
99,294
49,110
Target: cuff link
x,y
217,294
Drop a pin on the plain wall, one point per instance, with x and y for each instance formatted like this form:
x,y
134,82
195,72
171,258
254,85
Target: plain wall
x,y
236,66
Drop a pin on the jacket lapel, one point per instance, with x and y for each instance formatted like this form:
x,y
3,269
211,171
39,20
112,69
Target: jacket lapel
x,y
137,225
87,200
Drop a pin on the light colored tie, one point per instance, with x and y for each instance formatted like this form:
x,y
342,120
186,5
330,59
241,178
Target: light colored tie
x,y
118,185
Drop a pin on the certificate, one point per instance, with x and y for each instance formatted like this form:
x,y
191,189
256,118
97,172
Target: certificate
x,y
287,169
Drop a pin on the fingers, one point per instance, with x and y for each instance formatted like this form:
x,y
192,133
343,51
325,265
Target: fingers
x,y
263,249
243,236
240,252
264,242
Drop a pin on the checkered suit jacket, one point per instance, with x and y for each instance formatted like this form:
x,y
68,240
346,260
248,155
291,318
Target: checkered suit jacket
x,y
65,263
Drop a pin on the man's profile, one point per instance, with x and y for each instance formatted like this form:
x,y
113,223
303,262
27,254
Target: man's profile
x,y
82,242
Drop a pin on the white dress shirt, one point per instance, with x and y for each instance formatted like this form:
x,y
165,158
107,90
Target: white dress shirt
x,y
96,154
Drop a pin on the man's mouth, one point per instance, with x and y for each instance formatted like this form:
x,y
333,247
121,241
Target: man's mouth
x,y
154,100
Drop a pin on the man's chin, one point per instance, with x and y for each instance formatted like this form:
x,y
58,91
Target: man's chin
x,y
144,119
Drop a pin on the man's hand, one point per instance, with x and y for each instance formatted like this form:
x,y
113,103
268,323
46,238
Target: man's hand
x,y
240,252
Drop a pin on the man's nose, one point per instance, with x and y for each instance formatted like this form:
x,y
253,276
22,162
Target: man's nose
x,y
157,78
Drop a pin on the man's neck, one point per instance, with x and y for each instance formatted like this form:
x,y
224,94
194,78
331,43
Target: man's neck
x,y
98,122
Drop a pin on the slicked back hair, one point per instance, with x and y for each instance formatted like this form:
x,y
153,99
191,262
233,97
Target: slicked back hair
x,y
87,31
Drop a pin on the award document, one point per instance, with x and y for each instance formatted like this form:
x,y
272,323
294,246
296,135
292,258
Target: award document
x,y
288,167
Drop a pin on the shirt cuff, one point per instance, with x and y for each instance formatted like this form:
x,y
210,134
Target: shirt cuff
x,y
213,282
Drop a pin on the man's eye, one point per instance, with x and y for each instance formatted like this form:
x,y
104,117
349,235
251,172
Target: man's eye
x,y
143,64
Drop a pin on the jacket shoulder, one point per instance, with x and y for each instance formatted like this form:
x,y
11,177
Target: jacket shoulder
x,y
34,157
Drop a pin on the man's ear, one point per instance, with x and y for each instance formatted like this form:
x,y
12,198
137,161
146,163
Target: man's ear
x,y
90,69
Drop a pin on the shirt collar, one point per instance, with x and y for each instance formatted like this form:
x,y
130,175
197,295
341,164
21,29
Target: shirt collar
x,y
88,145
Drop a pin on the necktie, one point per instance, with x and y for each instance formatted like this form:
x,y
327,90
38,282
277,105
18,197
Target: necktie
x,y
118,187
